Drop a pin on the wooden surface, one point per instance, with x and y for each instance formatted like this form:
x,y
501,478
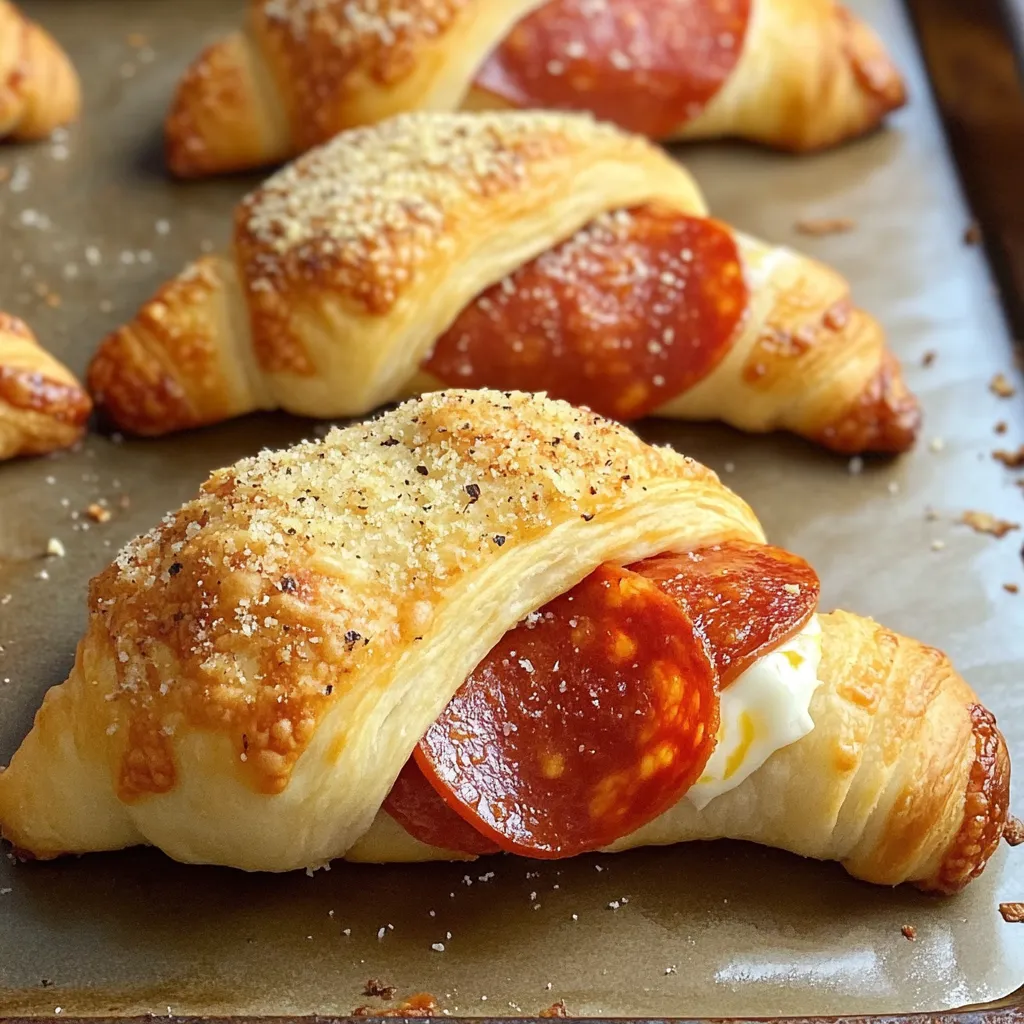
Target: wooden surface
x,y
976,76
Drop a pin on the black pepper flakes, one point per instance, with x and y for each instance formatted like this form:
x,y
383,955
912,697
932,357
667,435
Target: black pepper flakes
x,y
289,585
328,689
175,568
473,490
499,539
389,442
352,638
587,516
422,470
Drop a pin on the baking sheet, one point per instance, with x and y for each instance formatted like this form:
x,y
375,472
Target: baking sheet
x,y
90,222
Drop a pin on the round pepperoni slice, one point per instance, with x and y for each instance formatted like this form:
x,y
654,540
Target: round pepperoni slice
x,y
648,65
630,312
586,721
419,809
746,599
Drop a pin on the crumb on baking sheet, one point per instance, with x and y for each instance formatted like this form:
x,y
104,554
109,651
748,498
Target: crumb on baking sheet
x,y
909,932
556,1009
972,233
985,522
423,1004
1011,588
1013,913
820,226
376,987
55,548
97,513
1010,459
929,357
1001,427
1000,385
1013,832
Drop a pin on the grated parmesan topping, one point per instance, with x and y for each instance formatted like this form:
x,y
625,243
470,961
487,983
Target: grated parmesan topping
x,y
372,205
262,599
354,23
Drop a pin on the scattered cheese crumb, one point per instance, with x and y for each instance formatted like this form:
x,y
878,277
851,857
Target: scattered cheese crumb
x,y
55,547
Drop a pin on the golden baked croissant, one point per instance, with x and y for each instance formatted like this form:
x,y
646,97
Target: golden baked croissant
x,y
42,406
439,250
39,89
259,668
798,74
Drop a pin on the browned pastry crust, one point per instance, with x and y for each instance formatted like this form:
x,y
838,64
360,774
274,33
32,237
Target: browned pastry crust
x,y
42,406
351,262
257,669
39,89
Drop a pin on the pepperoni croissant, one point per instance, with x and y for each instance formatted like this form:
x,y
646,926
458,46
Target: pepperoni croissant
x,y
797,74
42,406
439,250
493,621
39,89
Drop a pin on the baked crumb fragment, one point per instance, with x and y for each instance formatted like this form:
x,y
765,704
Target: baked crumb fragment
x,y
1000,385
98,514
909,932
376,987
1011,588
55,548
423,1004
929,357
1013,913
1013,832
1001,427
557,1009
985,522
820,226
972,233
1010,459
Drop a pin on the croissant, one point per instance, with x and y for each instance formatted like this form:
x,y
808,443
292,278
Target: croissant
x,y
439,250
796,74
42,406
39,89
511,624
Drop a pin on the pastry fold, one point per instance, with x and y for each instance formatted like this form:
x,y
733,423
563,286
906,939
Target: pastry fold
x,y
796,74
42,405
350,264
39,88
259,667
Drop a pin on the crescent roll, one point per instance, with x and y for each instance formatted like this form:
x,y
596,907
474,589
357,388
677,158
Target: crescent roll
x,y
796,74
540,252
258,669
39,88
42,405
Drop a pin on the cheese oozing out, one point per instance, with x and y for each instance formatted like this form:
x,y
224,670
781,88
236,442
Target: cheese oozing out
x,y
764,709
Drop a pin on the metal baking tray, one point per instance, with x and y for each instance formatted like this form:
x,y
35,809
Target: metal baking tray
x,y
90,225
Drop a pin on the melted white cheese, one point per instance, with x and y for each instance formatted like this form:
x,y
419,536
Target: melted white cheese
x,y
763,710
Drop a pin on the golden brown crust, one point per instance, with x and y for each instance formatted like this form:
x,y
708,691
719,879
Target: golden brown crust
x,y
170,368
215,124
39,89
42,406
986,807
884,417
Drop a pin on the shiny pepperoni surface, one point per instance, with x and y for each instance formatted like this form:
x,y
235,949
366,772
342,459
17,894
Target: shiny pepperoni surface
x,y
421,811
586,721
630,312
746,599
648,65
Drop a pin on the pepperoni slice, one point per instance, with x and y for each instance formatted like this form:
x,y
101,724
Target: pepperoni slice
x,y
585,721
745,598
419,809
648,65
630,312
